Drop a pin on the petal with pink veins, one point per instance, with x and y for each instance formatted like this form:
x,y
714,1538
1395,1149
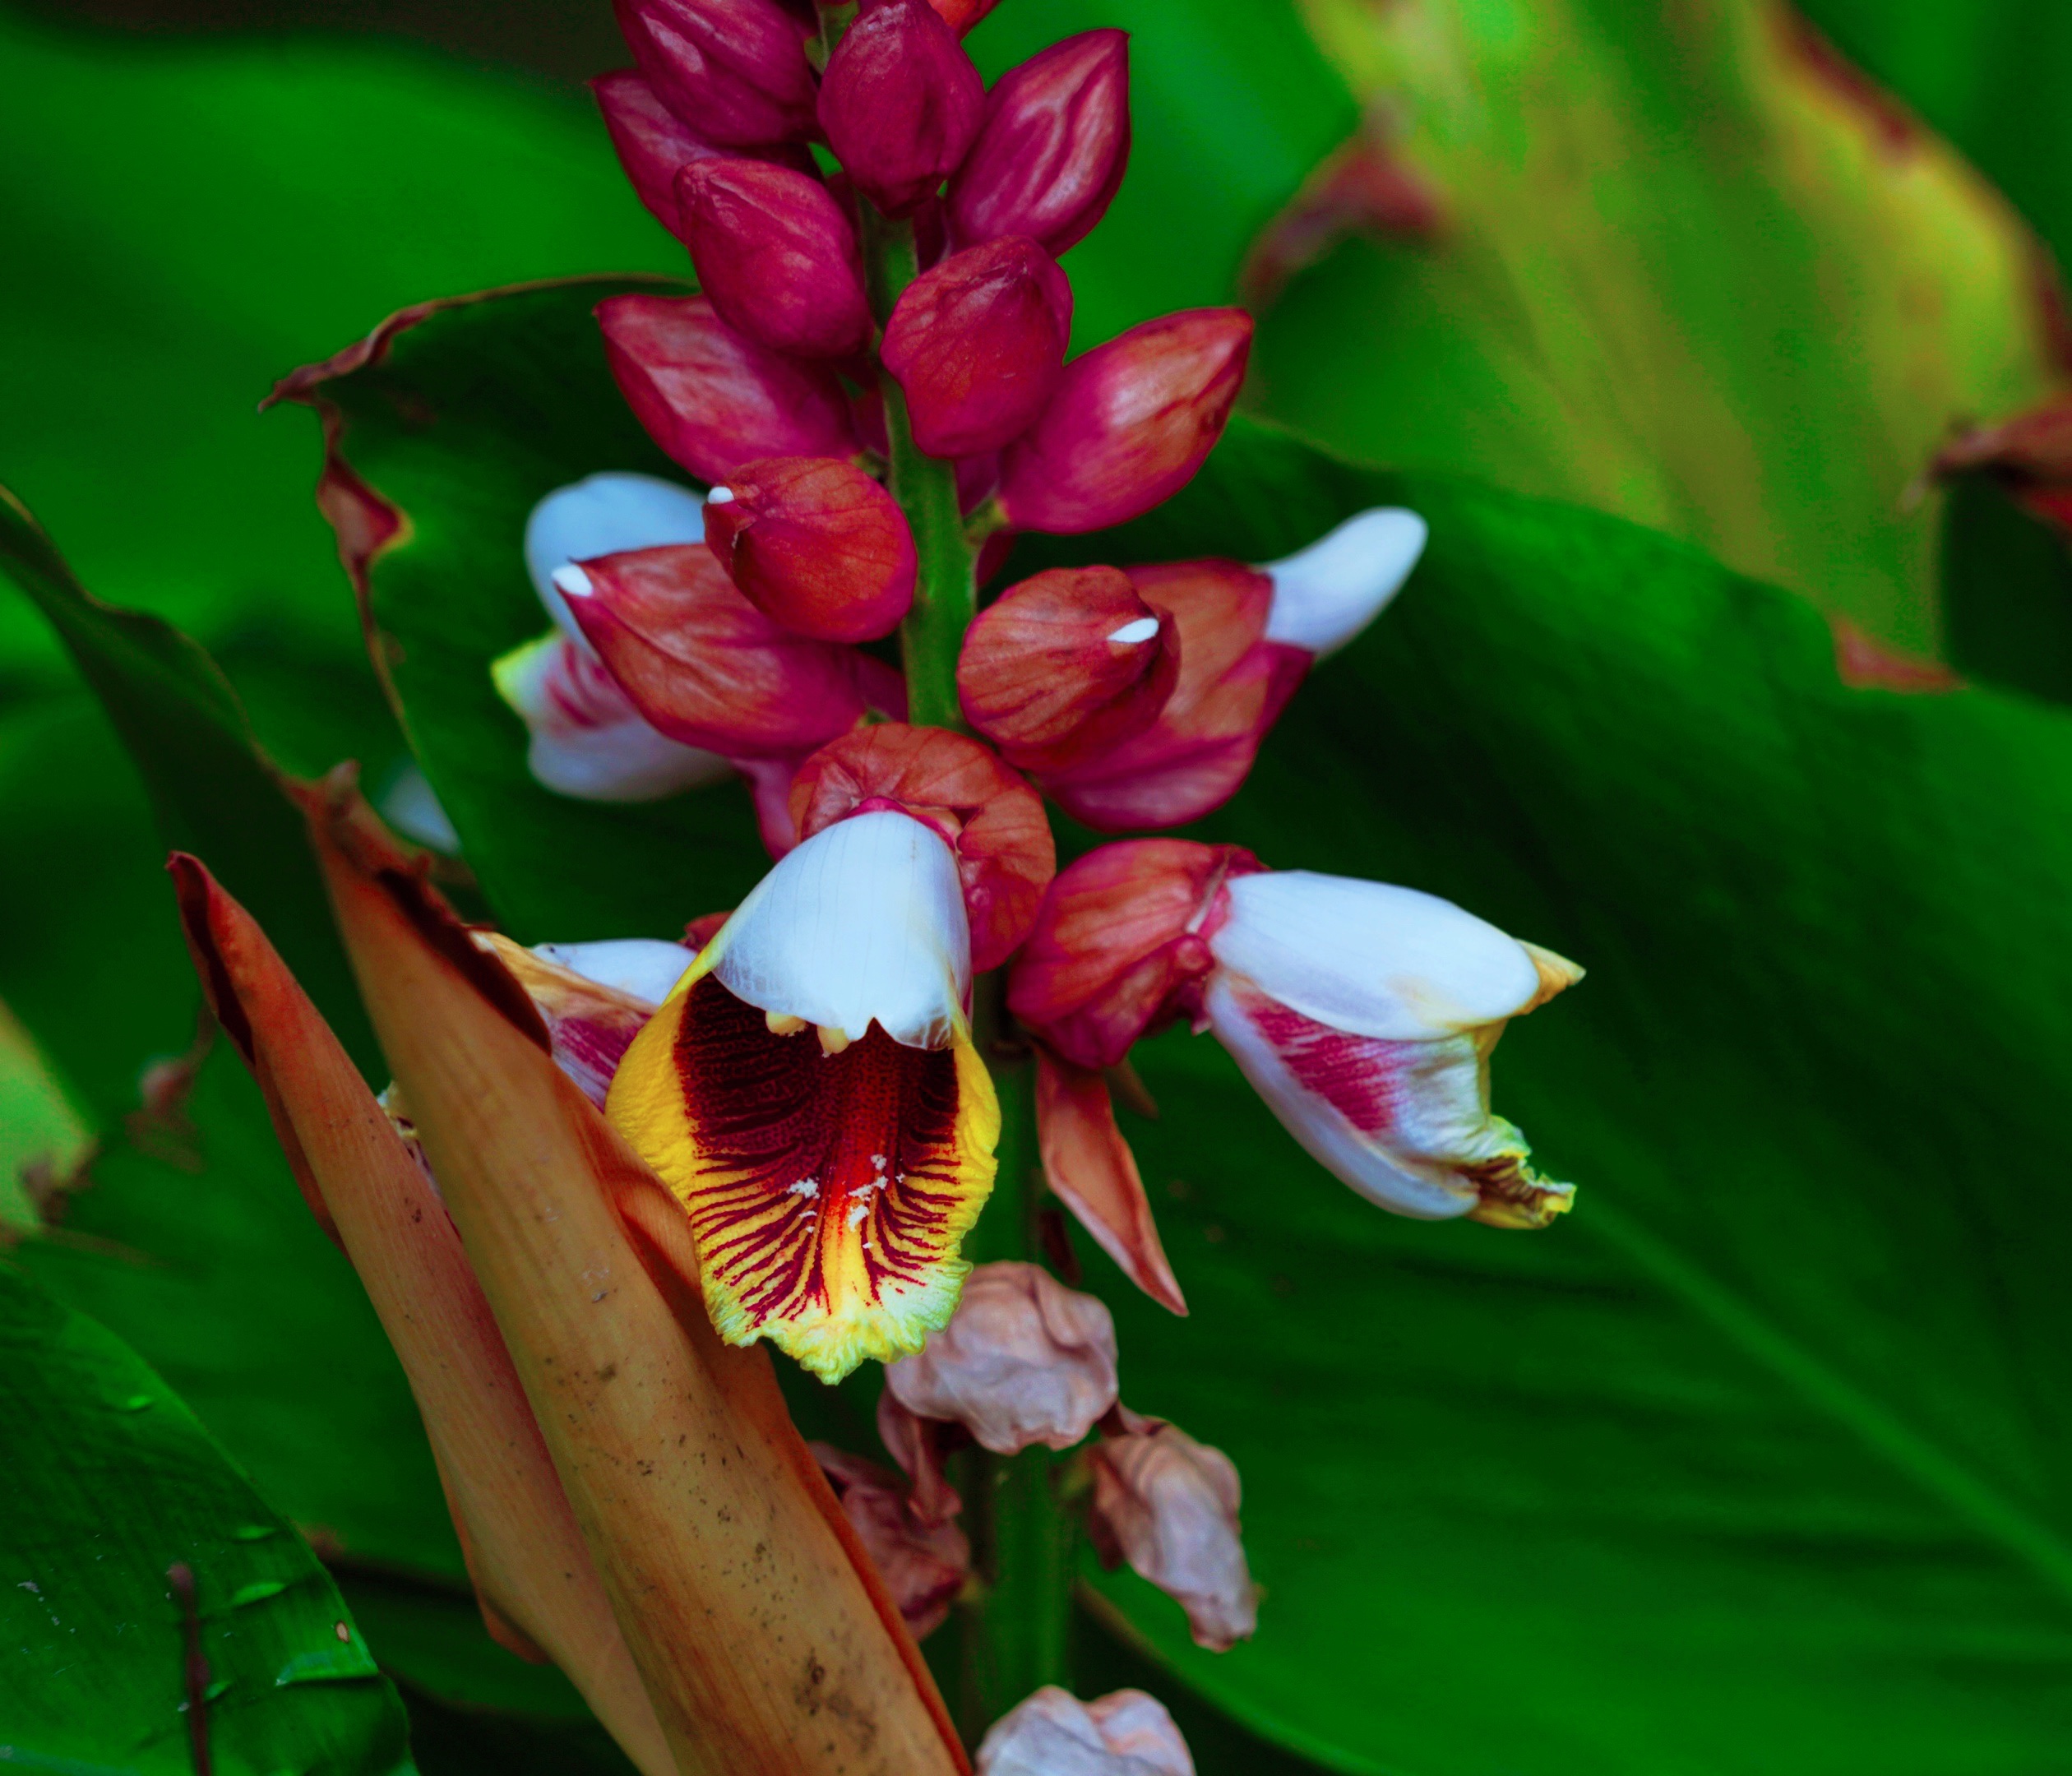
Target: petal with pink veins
x,y
600,515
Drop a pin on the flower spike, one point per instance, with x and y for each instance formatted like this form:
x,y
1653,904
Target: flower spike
x,y
1051,154
815,544
1132,422
901,102
977,345
828,1182
734,70
776,255
712,399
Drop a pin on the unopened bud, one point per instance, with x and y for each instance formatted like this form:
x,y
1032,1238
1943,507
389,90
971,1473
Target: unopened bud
x,y
776,255
1126,1733
1065,666
1168,1505
1130,423
977,345
1051,150
653,144
901,102
1024,1360
815,544
735,69
701,663
961,15
712,399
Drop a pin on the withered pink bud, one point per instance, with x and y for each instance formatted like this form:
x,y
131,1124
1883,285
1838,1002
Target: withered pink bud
x,y
921,1447
1051,150
901,102
816,544
1168,1505
1024,1360
712,399
1130,423
776,255
703,665
653,144
977,345
1065,666
735,71
924,1563
1126,1734
1121,944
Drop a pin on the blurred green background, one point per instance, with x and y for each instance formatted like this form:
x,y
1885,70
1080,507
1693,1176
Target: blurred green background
x,y
1689,271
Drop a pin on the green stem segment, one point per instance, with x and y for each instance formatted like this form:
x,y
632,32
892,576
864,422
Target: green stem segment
x,y
1014,1624
946,596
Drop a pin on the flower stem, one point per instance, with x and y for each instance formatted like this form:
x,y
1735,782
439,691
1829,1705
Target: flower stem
x,y
946,593
1016,1627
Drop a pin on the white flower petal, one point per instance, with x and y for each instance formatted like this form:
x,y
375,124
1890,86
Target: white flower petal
x,y
588,740
601,515
1053,1733
1325,595
1371,958
645,967
864,922
1410,1096
409,806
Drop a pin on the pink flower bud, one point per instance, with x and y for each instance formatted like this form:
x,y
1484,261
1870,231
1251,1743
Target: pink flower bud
x,y
712,399
923,1563
1126,1733
1052,150
776,255
991,821
703,665
1024,1360
1132,422
1168,1505
978,344
1121,944
901,102
653,144
1066,666
815,544
734,70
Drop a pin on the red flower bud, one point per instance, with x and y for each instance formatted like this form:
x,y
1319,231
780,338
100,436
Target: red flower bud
x,y
1065,666
736,70
703,665
1052,150
816,544
1233,684
776,255
978,345
961,15
901,102
992,820
712,399
1132,422
653,144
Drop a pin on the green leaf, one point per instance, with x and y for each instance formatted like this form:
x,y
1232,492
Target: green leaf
x,y
1684,275
463,422
112,1482
1756,1462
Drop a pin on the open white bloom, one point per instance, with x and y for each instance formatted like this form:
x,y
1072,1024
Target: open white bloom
x,y
643,968
587,739
1325,595
1364,1014
811,1093
1053,1733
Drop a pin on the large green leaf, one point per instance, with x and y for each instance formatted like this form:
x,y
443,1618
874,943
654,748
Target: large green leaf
x,y
111,1483
1684,275
1758,1461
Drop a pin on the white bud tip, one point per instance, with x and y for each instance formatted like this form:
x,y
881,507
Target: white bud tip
x,y
1131,633
720,495
571,582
